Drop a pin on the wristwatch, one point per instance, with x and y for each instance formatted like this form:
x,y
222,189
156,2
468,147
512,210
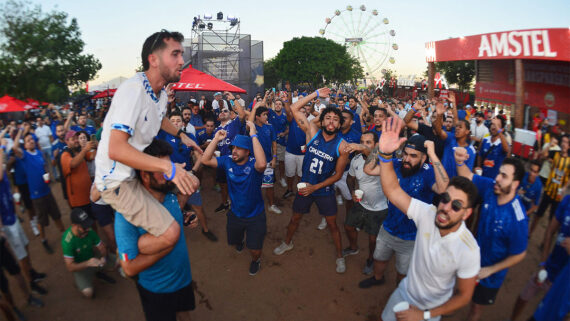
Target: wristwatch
x,y
427,314
180,131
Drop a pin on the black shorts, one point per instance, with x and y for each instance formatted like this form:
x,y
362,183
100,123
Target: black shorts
x,y
221,176
8,262
25,195
46,206
254,229
163,306
484,295
104,214
369,221
326,204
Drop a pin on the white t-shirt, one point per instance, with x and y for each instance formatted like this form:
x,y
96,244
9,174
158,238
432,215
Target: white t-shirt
x,y
481,131
241,102
216,104
437,261
137,111
44,133
318,108
374,198
190,129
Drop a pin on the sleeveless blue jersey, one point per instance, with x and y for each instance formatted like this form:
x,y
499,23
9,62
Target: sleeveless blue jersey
x,y
320,161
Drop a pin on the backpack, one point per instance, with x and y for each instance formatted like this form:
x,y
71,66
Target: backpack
x,y
64,177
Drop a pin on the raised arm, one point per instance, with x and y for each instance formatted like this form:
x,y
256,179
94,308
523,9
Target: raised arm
x,y
371,165
461,156
502,137
438,123
310,130
16,148
67,123
453,105
237,107
258,153
287,102
207,158
441,178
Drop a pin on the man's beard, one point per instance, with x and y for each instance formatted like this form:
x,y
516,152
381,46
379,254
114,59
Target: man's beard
x,y
170,78
162,188
331,132
76,149
449,225
407,172
503,190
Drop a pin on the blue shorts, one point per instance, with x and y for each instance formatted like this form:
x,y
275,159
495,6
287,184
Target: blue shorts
x,y
104,214
326,204
195,199
254,229
221,176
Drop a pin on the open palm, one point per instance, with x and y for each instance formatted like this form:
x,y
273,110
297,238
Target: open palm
x,y
390,139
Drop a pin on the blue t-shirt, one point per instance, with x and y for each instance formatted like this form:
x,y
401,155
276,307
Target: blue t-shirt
x,y
243,180
202,136
419,186
196,120
502,230
57,146
448,160
461,114
90,130
295,139
492,156
232,128
356,117
53,126
279,123
267,136
556,303
559,257
19,171
6,202
320,161
353,136
169,274
180,152
532,192
33,164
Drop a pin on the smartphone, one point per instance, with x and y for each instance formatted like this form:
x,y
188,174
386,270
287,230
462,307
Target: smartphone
x,y
189,220
93,138
273,90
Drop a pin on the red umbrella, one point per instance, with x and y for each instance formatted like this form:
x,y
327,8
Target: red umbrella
x,y
10,104
36,104
105,93
195,80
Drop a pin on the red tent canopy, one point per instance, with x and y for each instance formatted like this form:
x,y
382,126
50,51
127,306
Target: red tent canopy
x,y
34,103
105,93
10,104
195,80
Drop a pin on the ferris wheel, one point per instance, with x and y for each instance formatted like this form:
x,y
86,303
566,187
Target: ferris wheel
x,y
366,35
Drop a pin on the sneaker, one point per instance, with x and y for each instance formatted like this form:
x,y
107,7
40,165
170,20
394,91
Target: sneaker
x,y
222,207
105,277
217,188
323,224
254,267
369,267
37,276
37,289
19,314
287,194
35,302
47,247
34,226
283,182
340,265
284,247
239,247
349,251
210,236
339,200
366,283
273,208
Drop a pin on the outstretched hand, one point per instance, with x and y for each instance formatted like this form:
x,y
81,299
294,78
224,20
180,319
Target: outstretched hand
x,y
390,139
324,92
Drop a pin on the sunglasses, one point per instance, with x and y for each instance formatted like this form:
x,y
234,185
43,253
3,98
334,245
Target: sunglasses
x,y
225,111
162,32
456,205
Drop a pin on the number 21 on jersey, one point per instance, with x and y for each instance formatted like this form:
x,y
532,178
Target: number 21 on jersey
x,y
314,164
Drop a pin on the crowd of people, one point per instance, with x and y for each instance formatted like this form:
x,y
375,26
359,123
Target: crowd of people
x,y
430,182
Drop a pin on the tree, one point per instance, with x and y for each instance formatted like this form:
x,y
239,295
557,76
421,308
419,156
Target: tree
x,y
317,61
460,73
388,73
41,53
270,76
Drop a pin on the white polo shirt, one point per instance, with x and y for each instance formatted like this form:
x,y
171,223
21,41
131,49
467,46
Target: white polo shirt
x,y
44,134
437,261
137,111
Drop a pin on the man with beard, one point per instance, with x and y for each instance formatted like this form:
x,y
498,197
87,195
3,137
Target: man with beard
x,y
206,135
244,175
57,147
323,165
502,233
493,149
419,180
278,119
135,117
479,130
453,140
164,279
81,124
186,117
445,251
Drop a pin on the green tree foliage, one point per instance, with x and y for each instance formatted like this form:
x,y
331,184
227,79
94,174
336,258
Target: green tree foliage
x,y
388,73
315,60
270,76
460,73
41,53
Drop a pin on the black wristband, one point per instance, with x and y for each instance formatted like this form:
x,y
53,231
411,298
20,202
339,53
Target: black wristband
x,y
180,131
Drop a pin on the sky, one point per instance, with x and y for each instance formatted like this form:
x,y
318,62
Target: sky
x,y
114,31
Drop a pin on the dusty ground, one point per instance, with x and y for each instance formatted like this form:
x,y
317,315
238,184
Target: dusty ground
x,y
300,285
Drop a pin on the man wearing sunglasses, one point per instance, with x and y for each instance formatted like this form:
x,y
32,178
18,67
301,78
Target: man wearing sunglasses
x,y
135,117
502,232
445,251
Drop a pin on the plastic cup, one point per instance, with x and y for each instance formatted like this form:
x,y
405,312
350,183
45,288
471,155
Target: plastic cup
x,y
301,185
17,198
303,148
358,193
217,153
46,178
208,140
542,275
402,306
479,172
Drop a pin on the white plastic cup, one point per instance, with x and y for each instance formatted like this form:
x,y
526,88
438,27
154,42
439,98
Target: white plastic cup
x,y
217,153
542,275
303,148
301,185
358,193
208,140
402,306
17,198
479,171
46,178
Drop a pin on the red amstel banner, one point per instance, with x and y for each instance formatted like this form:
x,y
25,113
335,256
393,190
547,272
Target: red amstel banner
x,y
542,44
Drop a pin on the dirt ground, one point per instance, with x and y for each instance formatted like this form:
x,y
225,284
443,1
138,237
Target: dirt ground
x,y
299,285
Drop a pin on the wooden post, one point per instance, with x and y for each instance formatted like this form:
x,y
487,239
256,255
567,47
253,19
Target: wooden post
x,y
431,76
519,94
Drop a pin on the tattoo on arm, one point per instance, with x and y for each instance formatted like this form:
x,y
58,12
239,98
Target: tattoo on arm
x,y
372,156
440,171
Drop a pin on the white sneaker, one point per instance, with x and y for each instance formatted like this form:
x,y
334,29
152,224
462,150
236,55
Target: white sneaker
x,y
273,208
34,226
339,200
340,265
283,182
323,224
284,247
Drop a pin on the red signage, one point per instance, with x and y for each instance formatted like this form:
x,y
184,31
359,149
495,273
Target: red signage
x,y
543,44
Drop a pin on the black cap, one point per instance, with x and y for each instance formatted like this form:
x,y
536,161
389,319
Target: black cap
x,y
417,142
79,216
